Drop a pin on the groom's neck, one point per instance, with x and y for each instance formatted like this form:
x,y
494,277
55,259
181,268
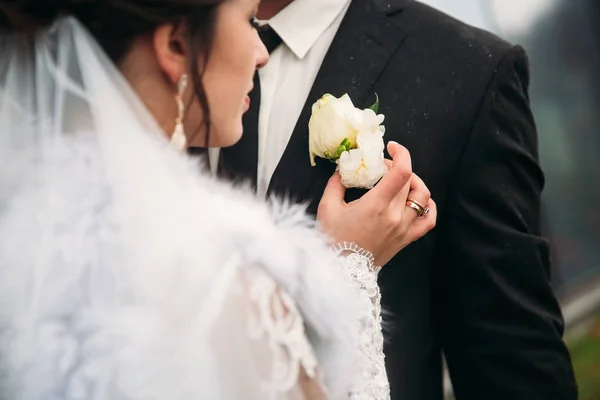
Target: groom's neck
x,y
269,8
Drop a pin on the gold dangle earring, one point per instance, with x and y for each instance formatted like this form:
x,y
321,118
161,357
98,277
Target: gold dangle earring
x,y
178,139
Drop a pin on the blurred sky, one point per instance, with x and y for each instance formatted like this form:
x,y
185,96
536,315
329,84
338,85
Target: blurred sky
x,y
500,16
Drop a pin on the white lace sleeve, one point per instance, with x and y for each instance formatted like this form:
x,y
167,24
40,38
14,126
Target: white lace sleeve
x,y
359,264
272,357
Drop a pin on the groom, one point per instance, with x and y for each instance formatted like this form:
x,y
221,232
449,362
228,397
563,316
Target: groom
x,y
477,288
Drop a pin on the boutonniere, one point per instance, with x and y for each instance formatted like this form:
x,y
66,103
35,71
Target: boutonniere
x,y
350,137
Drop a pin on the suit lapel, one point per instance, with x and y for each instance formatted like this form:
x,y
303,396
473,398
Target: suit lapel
x,y
361,49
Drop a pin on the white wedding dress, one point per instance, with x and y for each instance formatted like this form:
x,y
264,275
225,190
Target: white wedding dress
x,y
126,274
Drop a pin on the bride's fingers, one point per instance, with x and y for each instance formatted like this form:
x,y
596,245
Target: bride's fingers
x,y
421,226
396,178
333,196
332,203
418,193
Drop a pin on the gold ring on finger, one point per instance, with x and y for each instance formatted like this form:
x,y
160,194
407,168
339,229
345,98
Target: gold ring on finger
x,y
420,209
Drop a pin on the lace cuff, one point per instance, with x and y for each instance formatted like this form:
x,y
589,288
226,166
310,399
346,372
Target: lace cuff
x,y
359,264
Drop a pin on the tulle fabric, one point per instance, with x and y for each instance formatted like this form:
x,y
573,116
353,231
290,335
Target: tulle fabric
x,y
113,283
80,224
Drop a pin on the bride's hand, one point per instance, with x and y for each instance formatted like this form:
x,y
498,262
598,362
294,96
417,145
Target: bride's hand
x,y
379,221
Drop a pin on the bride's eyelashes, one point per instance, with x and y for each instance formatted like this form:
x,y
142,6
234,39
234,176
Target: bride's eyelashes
x,y
254,23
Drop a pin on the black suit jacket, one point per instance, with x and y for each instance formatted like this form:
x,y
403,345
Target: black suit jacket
x,y
477,288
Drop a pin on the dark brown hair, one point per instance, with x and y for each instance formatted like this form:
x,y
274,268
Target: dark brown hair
x,y
116,23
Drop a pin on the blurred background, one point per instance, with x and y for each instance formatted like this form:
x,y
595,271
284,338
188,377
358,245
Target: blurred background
x,y
562,39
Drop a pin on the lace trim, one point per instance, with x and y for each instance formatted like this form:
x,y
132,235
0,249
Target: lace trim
x,y
342,247
359,264
275,317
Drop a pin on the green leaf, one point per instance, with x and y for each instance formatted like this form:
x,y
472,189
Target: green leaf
x,y
332,157
345,145
375,107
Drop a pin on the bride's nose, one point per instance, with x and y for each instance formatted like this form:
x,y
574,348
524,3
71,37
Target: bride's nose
x,y
262,55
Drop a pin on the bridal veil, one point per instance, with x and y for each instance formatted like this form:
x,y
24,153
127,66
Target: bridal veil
x,y
122,272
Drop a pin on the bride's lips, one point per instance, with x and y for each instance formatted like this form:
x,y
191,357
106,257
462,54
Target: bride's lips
x,y
247,100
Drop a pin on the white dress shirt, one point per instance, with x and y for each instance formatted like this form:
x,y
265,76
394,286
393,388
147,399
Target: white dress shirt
x,y
307,28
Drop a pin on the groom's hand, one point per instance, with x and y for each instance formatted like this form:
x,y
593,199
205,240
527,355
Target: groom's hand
x,y
380,221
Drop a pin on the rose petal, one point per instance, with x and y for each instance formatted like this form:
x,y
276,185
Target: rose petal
x,y
362,168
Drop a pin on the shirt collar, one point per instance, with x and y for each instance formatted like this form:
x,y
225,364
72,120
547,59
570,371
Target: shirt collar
x,y
302,22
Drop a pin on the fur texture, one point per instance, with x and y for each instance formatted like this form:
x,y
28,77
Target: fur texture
x,y
113,248
107,263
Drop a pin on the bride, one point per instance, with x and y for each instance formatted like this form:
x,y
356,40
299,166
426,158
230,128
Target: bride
x,y
125,273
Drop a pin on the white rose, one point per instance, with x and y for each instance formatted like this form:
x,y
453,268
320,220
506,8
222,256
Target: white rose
x,y
329,126
365,166
367,121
